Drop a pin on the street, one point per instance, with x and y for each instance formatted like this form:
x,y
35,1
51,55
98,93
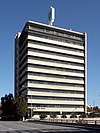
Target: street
x,y
32,127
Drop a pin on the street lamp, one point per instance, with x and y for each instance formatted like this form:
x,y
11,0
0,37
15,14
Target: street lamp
x,y
31,105
73,111
31,97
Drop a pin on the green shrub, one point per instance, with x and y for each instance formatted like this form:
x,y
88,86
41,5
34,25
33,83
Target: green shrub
x,y
53,115
63,116
73,116
43,116
91,115
82,116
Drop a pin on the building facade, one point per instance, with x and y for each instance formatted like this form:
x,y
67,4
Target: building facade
x,y
50,68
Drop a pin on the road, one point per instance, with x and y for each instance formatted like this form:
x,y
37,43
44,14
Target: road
x,y
32,127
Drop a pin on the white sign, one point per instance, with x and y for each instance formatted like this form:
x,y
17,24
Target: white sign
x,y
38,108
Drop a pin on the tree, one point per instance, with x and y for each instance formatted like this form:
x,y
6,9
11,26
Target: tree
x,y
21,107
1,111
95,109
7,105
89,109
13,107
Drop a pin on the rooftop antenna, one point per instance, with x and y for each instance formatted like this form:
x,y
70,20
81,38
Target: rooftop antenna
x,y
51,16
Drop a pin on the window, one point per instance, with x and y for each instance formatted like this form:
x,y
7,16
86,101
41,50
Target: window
x,y
54,76
55,83
55,38
54,32
56,105
55,53
55,61
56,46
56,68
55,98
57,90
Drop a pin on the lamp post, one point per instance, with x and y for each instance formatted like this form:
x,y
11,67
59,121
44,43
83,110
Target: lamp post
x,y
31,97
73,111
31,105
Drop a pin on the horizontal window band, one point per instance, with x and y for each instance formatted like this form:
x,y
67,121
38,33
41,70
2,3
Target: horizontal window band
x,y
55,53
56,46
54,75
55,38
52,90
56,105
55,68
54,98
55,61
55,83
56,32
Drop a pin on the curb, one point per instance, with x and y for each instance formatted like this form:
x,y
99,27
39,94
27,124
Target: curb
x,y
85,126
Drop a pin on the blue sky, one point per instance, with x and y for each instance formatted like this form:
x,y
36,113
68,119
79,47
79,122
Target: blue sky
x,y
78,15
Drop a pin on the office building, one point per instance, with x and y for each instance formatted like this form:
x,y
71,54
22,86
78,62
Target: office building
x,y
50,68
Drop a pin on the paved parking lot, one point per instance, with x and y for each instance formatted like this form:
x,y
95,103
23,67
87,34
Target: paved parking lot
x,y
32,127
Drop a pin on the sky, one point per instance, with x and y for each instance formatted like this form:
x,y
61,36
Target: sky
x,y
78,15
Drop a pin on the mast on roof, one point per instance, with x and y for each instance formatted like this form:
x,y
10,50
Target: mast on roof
x,y
51,16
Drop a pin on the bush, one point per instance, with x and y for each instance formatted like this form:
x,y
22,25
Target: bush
x,y
43,116
73,116
91,115
82,116
98,114
53,115
63,116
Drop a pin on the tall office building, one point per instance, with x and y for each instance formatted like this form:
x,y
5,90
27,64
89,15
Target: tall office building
x,y
50,68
